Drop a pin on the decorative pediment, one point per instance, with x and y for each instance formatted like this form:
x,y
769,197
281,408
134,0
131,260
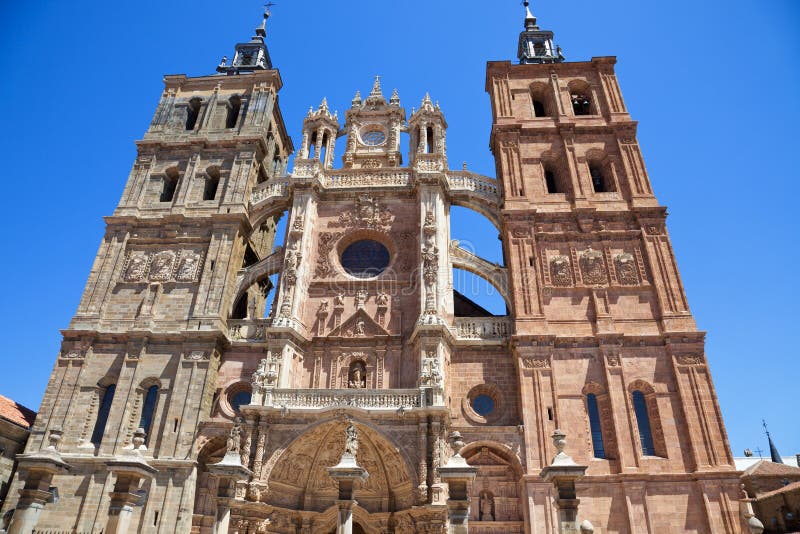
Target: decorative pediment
x,y
360,324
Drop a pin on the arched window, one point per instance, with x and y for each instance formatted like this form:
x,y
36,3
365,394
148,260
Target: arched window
x,y
538,109
312,143
212,184
192,113
169,185
149,409
323,148
643,423
599,182
277,165
234,107
429,141
551,181
581,104
594,426
102,414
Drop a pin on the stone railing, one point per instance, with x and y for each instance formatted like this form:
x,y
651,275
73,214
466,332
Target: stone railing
x,y
474,183
482,328
428,163
339,179
253,330
270,189
367,399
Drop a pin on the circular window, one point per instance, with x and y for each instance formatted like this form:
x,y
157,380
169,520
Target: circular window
x,y
373,137
483,405
242,398
365,258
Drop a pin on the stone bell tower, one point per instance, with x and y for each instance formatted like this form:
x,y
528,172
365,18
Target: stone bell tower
x,y
144,348
605,346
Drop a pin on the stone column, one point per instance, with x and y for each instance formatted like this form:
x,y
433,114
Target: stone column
x,y
563,472
229,471
130,469
458,475
35,494
346,474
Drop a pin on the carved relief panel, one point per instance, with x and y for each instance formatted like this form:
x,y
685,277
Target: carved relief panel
x,y
155,265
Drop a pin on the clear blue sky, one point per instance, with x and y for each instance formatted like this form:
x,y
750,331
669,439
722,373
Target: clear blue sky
x,y
714,85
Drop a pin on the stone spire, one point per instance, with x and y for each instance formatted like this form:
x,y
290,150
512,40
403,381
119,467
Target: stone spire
x,y
773,450
250,56
536,45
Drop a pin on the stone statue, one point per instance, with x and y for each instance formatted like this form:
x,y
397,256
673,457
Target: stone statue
x,y
360,329
358,376
323,307
361,298
382,299
338,301
351,440
251,307
486,505
235,437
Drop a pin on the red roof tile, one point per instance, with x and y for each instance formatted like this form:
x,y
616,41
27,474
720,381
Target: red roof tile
x,y
16,413
795,486
768,468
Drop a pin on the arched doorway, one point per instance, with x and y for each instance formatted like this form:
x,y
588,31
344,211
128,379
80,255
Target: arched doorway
x,y
495,497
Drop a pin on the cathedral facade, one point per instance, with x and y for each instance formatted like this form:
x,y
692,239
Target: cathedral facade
x,y
183,400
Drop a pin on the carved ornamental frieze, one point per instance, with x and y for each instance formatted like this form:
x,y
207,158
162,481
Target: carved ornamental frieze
x,y
367,212
171,265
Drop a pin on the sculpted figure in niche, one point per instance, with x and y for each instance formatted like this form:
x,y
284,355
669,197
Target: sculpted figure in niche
x,y
357,378
486,506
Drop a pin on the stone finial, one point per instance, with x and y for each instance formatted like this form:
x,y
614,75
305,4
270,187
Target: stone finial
x,y
139,437
224,61
586,527
427,104
324,105
559,440
456,442
376,87
395,98
560,443
357,100
54,438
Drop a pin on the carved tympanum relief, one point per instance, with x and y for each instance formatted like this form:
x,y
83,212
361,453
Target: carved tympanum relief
x,y
162,266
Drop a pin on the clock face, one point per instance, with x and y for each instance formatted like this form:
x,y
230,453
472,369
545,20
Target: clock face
x,y
373,137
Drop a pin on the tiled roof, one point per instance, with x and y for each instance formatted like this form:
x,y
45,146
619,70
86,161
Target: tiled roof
x,y
794,486
16,413
768,468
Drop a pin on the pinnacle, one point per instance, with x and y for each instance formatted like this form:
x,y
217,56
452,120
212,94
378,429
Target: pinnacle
x,y
395,98
376,87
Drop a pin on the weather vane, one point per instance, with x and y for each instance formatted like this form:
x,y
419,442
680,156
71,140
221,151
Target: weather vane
x,y
267,6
